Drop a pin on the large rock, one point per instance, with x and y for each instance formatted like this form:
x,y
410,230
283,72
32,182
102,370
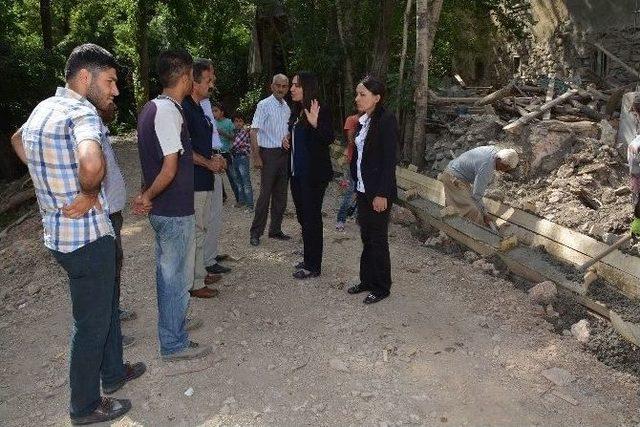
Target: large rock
x,y
581,331
550,141
558,376
543,293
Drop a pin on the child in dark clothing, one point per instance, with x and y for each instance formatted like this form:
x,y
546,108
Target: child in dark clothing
x,y
240,149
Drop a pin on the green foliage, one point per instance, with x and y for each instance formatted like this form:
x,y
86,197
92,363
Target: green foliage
x,y
221,30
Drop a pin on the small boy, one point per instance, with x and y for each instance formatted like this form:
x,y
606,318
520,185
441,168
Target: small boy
x,y
348,205
240,150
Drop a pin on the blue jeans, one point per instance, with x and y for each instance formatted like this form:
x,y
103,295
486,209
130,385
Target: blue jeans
x,y
348,205
175,255
96,339
241,172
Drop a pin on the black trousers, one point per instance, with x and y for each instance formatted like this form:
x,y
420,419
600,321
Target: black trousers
x,y
307,198
116,222
375,262
273,190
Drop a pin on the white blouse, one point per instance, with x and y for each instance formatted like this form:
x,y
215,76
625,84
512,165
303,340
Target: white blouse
x,y
364,120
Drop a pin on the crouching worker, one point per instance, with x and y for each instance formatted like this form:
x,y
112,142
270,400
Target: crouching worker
x,y
466,179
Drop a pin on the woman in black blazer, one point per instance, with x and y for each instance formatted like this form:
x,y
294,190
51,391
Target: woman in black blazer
x,y
311,133
373,169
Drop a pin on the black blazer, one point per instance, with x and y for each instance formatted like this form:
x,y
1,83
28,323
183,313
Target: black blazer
x,y
321,137
378,166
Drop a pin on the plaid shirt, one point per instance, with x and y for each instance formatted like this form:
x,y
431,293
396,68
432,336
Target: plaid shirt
x,y
241,143
50,138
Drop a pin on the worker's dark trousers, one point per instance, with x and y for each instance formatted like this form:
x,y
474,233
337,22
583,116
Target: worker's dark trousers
x,y
307,198
273,190
375,262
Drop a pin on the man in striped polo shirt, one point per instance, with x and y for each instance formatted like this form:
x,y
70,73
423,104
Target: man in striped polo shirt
x,y
269,146
62,143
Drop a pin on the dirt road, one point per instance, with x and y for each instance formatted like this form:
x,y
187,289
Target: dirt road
x,y
451,345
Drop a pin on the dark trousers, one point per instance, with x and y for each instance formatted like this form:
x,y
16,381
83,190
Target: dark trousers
x,y
96,340
375,262
308,198
273,190
116,222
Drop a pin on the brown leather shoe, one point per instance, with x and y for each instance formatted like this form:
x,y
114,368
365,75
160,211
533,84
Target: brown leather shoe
x,y
210,279
204,292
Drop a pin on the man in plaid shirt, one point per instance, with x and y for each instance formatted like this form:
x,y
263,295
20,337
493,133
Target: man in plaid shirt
x,y
62,144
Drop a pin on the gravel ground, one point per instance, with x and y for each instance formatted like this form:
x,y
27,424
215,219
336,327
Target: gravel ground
x,y
451,345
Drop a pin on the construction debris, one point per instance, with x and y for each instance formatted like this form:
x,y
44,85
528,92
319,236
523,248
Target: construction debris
x,y
573,165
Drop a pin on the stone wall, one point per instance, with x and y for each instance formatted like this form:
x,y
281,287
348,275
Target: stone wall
x,y
559,40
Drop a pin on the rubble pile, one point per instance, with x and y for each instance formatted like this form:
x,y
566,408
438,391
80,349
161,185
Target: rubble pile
x,y
573,169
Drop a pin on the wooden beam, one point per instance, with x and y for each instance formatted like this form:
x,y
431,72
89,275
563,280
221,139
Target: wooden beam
x,y
620,269
618,60
544,107
497,95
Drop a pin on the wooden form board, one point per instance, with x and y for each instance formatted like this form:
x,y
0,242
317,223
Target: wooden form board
x,y
620,269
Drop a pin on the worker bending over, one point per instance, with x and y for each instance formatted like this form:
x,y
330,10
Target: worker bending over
x,y
466,179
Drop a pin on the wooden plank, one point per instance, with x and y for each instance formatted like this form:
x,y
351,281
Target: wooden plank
x,y
620,269
497,95
544,107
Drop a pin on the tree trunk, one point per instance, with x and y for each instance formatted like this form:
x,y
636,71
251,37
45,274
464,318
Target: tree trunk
x,y
380,59
403,54
141,75
427,16
45,22
345,35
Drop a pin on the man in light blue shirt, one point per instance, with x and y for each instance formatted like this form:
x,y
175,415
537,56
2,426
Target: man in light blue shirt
x,y
270,149
467,177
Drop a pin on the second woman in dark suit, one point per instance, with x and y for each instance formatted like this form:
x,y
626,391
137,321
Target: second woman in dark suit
x,y
311,134
373,169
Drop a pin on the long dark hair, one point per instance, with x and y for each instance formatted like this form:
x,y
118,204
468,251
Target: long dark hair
x,y
376,87
309,83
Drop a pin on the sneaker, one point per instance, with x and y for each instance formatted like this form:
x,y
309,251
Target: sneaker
x,y
127,315
340,226
193,323
217,269
108,409
127,341
131,372
192,351
254,241
222,257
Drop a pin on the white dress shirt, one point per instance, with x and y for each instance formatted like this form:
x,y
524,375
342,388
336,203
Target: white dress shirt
x,y
365,120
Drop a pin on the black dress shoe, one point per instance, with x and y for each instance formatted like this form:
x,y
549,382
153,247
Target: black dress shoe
x,y
109,409
217,269
305,274
279,236
255,241
356,289
131,373
372,298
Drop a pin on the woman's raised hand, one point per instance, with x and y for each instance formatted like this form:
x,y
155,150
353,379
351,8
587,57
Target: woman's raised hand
x,y
312,116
